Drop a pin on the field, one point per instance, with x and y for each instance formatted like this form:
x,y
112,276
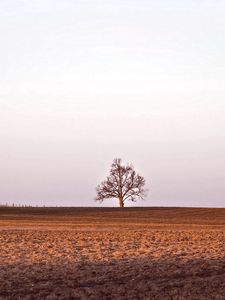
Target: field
x,y
110,253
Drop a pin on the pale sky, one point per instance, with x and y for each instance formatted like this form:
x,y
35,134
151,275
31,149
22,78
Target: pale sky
x,y
85,81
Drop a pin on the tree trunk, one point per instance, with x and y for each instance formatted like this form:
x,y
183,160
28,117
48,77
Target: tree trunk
x,y
121,201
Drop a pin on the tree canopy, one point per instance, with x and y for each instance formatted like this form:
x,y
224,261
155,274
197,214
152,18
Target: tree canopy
x,y
122,183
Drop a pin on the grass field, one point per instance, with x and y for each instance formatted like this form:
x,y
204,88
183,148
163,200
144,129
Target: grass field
x,y
110,253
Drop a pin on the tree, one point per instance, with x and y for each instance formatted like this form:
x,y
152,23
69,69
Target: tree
x,y
122,183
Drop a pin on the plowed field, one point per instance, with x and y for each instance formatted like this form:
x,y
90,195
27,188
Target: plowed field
x,y
131,253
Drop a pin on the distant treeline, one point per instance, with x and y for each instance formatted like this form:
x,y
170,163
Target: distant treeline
x,y
18,205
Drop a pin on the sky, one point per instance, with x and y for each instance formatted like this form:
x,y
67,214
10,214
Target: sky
x,y
85,81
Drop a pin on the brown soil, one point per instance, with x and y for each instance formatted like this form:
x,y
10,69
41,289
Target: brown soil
x,y
138,253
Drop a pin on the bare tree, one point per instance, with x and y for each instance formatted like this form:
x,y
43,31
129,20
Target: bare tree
x,y
122,183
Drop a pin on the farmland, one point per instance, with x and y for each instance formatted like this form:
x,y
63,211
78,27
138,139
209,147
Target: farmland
x,y
110,253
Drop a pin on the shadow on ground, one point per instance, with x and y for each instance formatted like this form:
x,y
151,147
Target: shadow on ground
x,y
117,279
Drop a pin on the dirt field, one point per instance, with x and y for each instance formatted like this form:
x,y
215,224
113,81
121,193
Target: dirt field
x,y
131,253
